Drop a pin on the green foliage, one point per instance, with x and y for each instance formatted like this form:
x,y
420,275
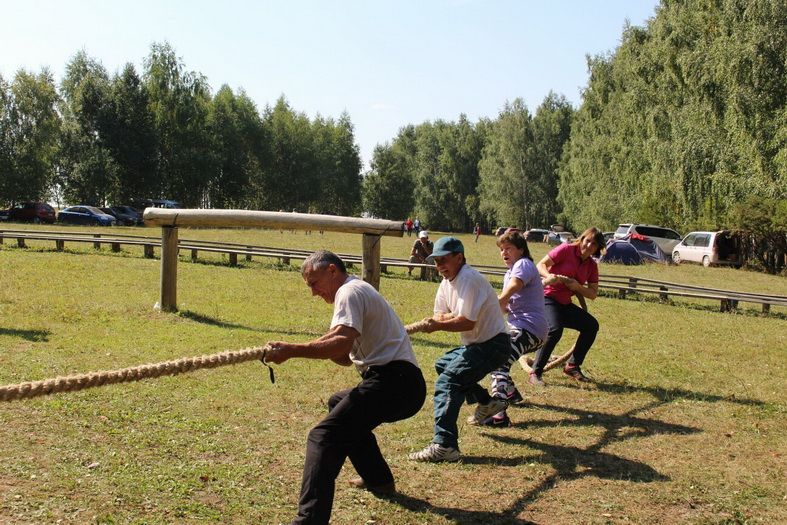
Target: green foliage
x,y
86,171
684,120
239,142
29,134
388,187
128,132
180,103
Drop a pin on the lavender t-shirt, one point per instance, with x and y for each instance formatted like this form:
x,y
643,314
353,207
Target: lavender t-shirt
x,y
526,307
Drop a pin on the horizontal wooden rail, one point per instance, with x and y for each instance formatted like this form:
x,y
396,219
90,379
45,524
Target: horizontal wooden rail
x,y
269,219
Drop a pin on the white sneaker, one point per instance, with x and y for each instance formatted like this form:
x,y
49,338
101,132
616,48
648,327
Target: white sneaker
x,y
435,453
484,412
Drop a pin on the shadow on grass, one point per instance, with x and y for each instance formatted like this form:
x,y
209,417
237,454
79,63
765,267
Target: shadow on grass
x,y
569,463
214,321
666,395
462,516
36,336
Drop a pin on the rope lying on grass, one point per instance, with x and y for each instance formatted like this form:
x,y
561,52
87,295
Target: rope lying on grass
x,y
127,375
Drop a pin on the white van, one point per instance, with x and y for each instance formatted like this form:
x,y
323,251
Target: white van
x,y
664,237
709,248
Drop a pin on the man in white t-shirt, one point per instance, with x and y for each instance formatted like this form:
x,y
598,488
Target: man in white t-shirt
x,y
366,332
465,303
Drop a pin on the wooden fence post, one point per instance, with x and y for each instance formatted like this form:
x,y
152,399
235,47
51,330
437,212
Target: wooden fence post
x,y
60,244
169,269
20,241
371,259
97,245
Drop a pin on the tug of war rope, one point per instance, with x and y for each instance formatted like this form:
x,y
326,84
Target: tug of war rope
x,y
77,382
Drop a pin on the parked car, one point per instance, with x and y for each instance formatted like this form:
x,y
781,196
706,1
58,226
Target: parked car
x,y
155,203
536,235
36,212
664,237
3,215
709,248
556,238
85,215
125,215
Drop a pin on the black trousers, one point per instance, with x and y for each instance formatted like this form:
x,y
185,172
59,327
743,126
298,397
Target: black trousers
x,y
562,316
387,393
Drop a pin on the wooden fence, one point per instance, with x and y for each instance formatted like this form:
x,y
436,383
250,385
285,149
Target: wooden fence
x,y
622,286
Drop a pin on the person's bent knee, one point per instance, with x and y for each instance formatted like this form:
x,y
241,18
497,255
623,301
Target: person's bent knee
x,y
591,325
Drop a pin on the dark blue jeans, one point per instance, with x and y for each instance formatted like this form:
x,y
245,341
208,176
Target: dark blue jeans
x,y
459,371
560,316
387,393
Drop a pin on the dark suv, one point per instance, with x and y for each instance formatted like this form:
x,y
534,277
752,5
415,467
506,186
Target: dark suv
x,y
36,212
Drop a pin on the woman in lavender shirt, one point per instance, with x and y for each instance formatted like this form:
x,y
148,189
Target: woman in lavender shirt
x,y
522,299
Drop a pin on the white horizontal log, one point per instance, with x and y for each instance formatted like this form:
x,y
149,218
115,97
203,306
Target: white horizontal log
x,y
269,219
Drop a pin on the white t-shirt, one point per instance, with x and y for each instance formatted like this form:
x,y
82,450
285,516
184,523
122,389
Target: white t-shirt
x,y
470,295
383,338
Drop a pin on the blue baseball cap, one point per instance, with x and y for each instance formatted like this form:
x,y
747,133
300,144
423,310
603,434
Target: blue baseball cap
x,y
447,246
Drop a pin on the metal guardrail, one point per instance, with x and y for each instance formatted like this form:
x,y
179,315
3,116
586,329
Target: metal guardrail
x,y
623,285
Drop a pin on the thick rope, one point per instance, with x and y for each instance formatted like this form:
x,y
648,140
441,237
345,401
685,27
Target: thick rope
x,y
110,377
415,327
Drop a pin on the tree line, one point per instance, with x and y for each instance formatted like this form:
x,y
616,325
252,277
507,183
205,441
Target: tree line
x,y
683,125
102,139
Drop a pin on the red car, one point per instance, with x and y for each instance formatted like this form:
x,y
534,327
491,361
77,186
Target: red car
x,y
36,212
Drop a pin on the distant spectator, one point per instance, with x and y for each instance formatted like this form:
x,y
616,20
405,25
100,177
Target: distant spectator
x,y
417,225
477,231
421,250
408,225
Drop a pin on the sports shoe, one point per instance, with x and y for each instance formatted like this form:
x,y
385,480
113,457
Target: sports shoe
x,y
576,374
500,420
514,397
436,453
487,410
385,488
535,379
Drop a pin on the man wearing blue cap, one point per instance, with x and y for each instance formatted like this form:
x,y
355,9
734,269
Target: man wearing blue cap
x,y
465,303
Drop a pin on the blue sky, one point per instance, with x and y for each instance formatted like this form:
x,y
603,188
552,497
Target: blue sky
x,y
387,64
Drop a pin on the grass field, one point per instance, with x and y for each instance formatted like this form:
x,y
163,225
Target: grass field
x,y
684,424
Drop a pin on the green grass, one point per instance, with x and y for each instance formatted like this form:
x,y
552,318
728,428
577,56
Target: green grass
x,y
684,424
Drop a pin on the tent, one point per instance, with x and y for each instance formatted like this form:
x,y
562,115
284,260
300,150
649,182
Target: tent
x,y
648,249
634,249
620,251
